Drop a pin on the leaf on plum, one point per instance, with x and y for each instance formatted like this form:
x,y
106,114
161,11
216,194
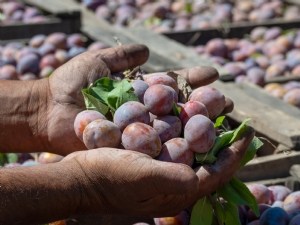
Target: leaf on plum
x,y
219,121
236,192
108,94
231,214
202,212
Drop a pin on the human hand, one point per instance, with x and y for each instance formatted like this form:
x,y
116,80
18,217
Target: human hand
x,y
114,181
64,98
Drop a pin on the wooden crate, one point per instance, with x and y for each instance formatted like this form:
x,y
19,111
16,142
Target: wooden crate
x,y
238,30
164,53
67,22
270,116
269,167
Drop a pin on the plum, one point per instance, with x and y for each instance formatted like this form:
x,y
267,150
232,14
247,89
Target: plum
x,y
8,72
295,220
148,141
291,203
46,157
159,99
274,216
213,100
190,109
261,193
200,133
140,88
59,40
161,78
279,192
83,119
131,112
216,47
49,61
101,133
177,150
167,127
28,64
293,97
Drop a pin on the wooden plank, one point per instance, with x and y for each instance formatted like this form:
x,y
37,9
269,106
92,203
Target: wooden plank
x,y
272,122
283,79
290,182
237,30
55,6
257,92
269,167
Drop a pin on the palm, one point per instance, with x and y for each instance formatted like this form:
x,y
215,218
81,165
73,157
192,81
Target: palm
x,y
65,97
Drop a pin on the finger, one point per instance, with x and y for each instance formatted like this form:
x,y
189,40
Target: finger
x,y
123,57
229,105
199,76
211,177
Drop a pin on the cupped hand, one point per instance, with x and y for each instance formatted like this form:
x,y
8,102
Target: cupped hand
x,y
115,181
64,98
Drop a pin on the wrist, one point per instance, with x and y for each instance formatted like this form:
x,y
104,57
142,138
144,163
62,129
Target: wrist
x,y
38,114
49,192
23,116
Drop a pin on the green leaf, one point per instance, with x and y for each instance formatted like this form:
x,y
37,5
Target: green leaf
x,y
12,158
188,7
221,142
254,146
256,55
220,212
231,214
3,159
107,94
239,130
237,192
122,92
202,213
92,103
176,109
219,121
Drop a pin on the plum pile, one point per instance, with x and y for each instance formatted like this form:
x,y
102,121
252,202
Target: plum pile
x,y
13,12
266,54
170,15
277,205
156,123
41,56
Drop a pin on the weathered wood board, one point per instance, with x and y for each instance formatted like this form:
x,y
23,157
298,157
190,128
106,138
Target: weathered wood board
x,y
269,167
67,23
290,182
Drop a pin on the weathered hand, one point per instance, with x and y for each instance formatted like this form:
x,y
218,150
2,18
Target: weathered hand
x,y
115,181
64,98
